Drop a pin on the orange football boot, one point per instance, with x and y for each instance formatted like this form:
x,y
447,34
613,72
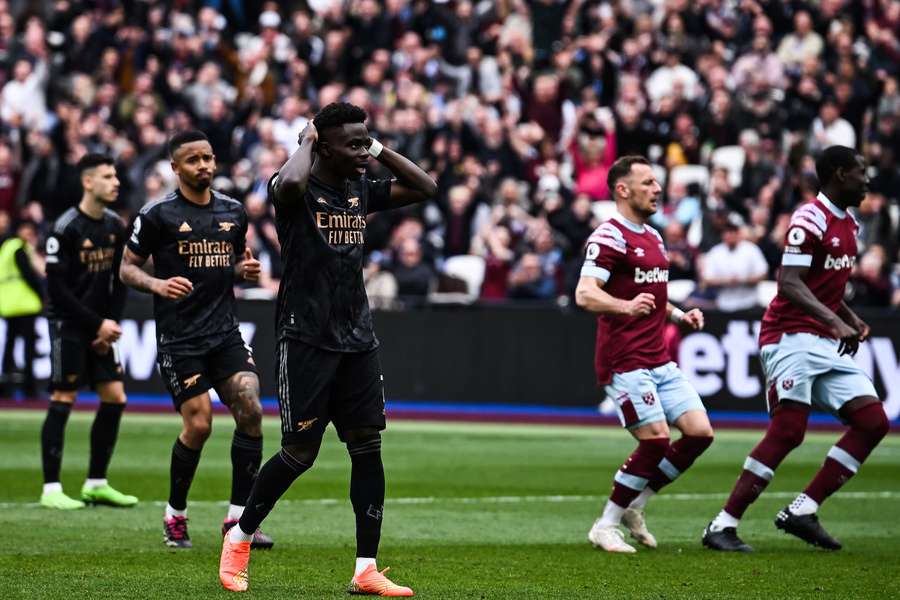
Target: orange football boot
x,y
372,582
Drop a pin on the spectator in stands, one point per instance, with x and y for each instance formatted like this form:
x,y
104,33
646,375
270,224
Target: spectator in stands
x,y
870,284
830,129
800,45
529,281
732,269
413,275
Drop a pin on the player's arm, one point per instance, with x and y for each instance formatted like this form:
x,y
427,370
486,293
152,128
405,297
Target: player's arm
x,y
692,318
845,313
290,183
792,286
411,186
134,276
591,296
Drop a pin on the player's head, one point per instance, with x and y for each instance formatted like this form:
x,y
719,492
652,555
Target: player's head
x,y
98,177
192,159
842,175
631,182
343,137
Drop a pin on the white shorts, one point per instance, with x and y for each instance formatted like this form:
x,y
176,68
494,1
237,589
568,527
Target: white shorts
x,y
806,368
649,395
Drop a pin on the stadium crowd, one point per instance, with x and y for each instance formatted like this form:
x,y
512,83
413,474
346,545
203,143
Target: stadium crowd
x,y
516,108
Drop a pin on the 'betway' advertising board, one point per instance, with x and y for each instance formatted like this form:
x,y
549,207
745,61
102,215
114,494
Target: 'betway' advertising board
x,y
539,356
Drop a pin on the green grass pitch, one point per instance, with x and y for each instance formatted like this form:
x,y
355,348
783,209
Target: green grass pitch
x,y
473,511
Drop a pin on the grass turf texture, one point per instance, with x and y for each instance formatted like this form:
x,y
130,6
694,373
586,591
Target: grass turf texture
x,y
474,511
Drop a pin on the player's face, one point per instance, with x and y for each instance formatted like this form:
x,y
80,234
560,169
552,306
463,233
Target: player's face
x,y
195,164
643,190
102,182
344,149
856,183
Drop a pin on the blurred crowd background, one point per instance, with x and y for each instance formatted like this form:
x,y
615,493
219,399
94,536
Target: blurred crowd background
x,y
517,109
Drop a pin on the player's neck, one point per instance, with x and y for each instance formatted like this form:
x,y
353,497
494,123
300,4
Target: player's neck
x,y
90,206
629,215
198,197
327,177
833,197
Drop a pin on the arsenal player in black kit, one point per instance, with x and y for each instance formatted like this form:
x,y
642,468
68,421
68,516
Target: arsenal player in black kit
x,y
196,237
328,368
86,299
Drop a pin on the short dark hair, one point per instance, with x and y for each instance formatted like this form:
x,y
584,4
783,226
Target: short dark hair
x,y
185,137
93,159
832,159
621,168
337,114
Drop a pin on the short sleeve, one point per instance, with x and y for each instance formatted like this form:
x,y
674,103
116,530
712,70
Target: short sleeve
x,y
603,250
805,232
144,235
58,252
379,194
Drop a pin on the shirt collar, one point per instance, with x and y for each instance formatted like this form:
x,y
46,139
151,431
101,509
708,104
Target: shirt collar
x,y
635,227
840,213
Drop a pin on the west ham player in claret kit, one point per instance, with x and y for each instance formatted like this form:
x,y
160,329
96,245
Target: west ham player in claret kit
x,y
84,250
624,281
196,237
807,338
327,350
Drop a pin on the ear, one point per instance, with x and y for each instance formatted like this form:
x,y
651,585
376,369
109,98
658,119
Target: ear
x,y
322,148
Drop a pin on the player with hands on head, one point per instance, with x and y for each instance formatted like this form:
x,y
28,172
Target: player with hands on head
x,y
624,281
807,338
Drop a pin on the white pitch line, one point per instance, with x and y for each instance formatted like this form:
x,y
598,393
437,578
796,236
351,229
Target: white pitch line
x,y
890,494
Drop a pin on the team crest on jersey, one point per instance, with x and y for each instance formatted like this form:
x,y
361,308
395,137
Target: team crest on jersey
x,y
353,202
639,252
184,228
648,398
835,242
112,238
225,226
787,384
87,244
321,200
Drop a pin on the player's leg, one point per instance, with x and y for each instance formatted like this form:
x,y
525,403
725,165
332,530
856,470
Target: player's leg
x,y
29,337
305,375
66,367
640,411
240,392
868,425
358,409
196,419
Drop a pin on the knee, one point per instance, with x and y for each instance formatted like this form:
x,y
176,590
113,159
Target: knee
x,y
248,415
198,427
304,453
790,434
872,420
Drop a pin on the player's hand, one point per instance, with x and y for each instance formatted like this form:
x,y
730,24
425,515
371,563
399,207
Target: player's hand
x,y
173,288
863,329
641,305
848,336
100,346
249,267
109,331
693,319
309,132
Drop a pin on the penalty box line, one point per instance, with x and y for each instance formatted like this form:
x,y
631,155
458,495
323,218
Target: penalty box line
x,y
871,495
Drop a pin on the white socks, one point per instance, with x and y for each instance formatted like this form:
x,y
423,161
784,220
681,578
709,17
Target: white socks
x,y
803,505
171,512
236,534
362,563
234,512
94,483
723,520
612,514
56,486
641,501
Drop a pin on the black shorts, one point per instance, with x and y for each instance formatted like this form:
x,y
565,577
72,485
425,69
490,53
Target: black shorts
x,y
73,363
189,376
316,386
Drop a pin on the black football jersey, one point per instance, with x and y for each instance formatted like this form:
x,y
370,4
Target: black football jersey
x,y
202,244
322,299
83,256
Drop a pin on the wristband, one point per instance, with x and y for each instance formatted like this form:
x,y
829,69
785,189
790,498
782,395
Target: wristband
x,y
375,148
677,315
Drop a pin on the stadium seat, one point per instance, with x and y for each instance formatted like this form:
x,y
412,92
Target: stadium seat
x,y
468,268
687,174
765,292
732,159
680,289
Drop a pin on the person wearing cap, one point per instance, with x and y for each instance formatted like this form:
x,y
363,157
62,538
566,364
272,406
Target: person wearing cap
x,y
734,267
